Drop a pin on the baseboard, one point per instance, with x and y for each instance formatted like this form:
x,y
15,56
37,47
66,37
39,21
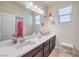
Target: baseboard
x,y
57,48
75,52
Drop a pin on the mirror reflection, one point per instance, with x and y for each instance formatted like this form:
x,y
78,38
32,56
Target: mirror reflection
x,y
17,26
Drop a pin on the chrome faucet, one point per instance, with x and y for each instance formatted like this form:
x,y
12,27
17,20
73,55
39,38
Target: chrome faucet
x,y
14,38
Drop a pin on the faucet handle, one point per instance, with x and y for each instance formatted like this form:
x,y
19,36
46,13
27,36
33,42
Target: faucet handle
x,y
13,35
14,39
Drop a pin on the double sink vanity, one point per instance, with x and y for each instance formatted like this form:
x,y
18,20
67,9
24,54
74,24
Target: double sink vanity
x,y
31,47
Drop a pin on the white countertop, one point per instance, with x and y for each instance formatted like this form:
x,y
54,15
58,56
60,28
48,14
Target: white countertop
x,y
16,50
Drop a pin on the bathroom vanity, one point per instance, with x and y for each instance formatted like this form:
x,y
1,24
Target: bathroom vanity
x,y
43,50
32,47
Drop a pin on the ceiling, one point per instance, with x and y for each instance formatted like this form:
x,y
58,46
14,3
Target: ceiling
x,y
52,3
47,3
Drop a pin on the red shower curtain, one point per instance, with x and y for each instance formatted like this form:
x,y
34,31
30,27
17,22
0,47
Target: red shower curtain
x,y
20,29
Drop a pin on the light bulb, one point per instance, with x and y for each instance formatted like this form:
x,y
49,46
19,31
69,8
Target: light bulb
x,y
39,9
42,11
31,4
36,7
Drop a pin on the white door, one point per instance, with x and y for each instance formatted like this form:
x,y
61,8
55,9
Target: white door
x,y
7,26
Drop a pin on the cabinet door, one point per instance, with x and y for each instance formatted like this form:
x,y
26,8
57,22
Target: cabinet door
x,y
51,46
53,43
46,43
46,50
39,54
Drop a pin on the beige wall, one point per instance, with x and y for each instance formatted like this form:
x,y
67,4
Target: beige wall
x,y
0,27
65,32
76,41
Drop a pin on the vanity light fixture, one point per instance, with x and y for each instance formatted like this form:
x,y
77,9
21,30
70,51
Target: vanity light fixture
x,y
29,5
34,8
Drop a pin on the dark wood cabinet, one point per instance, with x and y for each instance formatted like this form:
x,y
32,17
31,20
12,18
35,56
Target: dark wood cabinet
x,y
50,49
52,43
35,51
46,43
39,53
43,50
46,50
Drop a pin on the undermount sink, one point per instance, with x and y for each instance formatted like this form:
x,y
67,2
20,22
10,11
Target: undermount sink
x,y
26,43
30,42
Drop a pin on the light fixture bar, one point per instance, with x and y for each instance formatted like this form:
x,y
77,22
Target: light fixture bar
x,y
34,8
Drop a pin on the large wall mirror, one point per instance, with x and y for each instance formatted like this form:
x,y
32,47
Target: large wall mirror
x,y
19,26
15,25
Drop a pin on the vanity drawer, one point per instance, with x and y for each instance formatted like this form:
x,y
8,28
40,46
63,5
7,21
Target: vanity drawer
x,y
51,39
33,52
46,54
39,54
47,42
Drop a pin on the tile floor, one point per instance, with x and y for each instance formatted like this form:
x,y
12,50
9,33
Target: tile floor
x,y
60,53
